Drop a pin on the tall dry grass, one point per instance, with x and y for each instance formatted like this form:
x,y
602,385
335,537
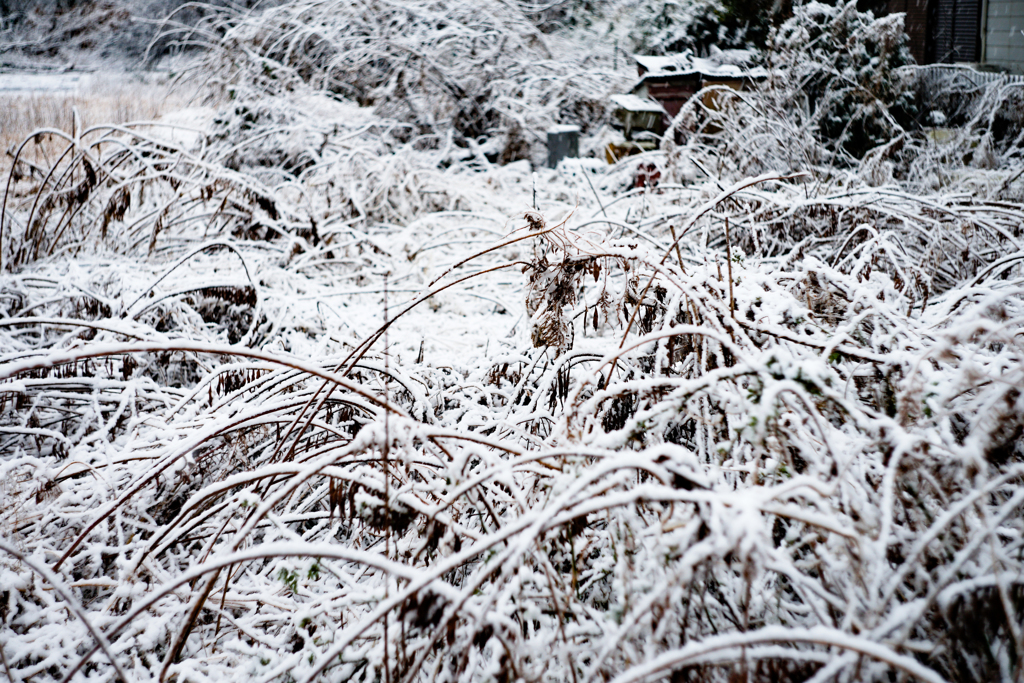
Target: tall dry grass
x,y
116,99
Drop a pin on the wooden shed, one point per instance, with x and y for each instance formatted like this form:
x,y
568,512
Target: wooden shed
x,y
672,80
666,84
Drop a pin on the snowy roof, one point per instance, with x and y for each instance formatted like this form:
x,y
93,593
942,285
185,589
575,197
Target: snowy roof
x,y
721,64
634,103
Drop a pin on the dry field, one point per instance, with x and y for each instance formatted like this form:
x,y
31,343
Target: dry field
x,y
103,98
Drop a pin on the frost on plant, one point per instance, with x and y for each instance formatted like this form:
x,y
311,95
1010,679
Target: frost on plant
x,y
305,386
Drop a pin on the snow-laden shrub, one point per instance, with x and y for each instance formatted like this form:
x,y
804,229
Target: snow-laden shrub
x,y
482,70
110,33
551,17
975,126
840,67
669,27
838,100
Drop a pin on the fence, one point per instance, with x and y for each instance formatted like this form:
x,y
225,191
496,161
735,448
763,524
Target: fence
x,y
936,77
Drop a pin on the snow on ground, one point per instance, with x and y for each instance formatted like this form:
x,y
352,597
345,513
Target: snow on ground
x,y
19,82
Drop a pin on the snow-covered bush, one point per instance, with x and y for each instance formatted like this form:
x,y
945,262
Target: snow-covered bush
x,y
669,27
841,68
978,125
114,33
481,70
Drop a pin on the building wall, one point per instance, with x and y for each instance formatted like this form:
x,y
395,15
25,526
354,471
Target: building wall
x,y
947,31
1004,43
915,24
954,27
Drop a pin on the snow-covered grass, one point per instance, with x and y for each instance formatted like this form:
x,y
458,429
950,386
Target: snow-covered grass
x,y
298,389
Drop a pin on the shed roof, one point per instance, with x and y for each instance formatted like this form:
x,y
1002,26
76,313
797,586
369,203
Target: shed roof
x,y
634,103
720,64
